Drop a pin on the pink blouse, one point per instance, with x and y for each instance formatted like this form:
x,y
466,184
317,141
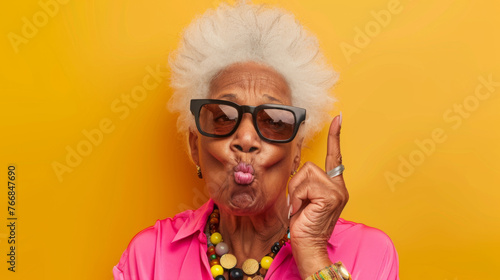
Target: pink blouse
x,y
177,249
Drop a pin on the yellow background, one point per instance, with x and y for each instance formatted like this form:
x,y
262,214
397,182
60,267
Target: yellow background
x,y
395,90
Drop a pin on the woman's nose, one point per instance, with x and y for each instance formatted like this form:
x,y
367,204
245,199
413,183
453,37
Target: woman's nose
x,y
246,139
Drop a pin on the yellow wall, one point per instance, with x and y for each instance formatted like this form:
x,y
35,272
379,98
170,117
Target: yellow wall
x,y
401,85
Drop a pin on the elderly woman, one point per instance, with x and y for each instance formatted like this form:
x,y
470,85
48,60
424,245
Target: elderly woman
x,y
251,87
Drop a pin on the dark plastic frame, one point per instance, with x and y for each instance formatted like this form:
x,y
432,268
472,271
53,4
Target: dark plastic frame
x,y
299,114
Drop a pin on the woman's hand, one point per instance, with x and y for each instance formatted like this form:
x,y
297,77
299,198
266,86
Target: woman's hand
x,y
316,203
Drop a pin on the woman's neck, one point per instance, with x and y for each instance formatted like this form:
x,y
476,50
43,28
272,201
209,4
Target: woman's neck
x,y
253,236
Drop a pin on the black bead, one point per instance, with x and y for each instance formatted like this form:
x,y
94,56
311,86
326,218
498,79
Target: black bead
x,y
236,274
220,277
276,248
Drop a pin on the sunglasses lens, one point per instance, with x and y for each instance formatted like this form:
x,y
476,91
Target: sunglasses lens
x,y
218,119
276,124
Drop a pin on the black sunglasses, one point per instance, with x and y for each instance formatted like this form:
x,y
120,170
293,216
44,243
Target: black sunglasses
x,y
273,122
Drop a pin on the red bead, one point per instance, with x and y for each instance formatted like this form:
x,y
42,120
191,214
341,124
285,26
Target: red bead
x,y
214,262
262,271
211,250
272,255
214,215
216,211
214,221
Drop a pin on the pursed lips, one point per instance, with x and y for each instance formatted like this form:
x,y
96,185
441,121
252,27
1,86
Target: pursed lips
x,y
243,173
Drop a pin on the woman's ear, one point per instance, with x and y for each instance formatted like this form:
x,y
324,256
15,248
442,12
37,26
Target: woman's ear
x,y
193,147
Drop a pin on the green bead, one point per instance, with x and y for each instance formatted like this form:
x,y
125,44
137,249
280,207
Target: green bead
x,y
213,257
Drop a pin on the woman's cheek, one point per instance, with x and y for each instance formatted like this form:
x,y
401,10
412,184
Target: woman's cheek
x,y
214,148
274,158
274,168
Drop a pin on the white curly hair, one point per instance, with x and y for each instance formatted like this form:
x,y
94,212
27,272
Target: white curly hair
x,y
246,32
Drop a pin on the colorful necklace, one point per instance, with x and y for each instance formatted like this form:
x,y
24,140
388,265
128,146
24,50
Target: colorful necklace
x,y
220,260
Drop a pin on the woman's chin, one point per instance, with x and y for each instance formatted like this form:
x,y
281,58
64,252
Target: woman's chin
x,y
242,203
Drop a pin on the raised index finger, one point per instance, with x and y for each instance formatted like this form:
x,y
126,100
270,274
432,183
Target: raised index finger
x,y
333,156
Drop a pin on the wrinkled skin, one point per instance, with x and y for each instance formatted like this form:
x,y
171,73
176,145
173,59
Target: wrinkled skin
x,y
259,211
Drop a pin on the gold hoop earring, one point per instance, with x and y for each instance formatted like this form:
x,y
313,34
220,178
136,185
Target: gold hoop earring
x,y
198,171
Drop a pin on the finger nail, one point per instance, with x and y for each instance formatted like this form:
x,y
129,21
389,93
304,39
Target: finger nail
x,y
290,211
340,119
288,200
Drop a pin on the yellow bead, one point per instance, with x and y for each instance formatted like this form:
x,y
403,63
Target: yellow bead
x,y
217,270
215,238
266,262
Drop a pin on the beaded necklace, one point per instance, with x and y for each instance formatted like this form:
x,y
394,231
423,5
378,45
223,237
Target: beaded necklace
x,y
220,259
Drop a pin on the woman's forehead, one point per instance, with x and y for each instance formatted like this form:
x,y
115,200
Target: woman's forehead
x,y
240,82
